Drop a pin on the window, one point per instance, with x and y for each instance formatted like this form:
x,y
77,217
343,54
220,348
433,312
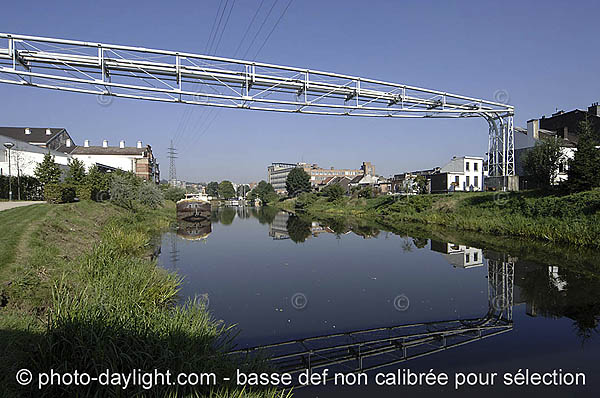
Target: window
x,y
468,258
476,166
468,180
456,180
475,256
476,181
467,166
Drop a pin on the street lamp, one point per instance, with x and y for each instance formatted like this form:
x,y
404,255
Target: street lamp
x,y
9,145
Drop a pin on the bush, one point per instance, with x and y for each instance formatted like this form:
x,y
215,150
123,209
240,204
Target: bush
x,y
174,194
84,191
333,192
59,193
305,199
149,195
123,192
30,188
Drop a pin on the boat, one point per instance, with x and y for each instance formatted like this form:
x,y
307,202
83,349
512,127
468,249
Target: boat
x,y
194,207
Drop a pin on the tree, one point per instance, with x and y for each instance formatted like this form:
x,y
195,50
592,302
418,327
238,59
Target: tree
x,y
212,189
297,181
264,191
174,193
542,162
243,190
584,167
226,190
48,172
421,184
76,173
333,192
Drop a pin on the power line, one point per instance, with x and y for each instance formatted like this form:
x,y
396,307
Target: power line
x,y
224,26
259,29
248,28
272,30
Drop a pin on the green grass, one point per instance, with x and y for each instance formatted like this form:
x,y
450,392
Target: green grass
x,y
570,219
83,294
14,224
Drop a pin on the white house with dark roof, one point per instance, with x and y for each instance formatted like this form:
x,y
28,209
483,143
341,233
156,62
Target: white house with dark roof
x,y
24,157
137,159
31,144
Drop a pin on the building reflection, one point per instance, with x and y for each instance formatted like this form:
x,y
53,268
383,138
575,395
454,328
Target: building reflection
x,y
459,256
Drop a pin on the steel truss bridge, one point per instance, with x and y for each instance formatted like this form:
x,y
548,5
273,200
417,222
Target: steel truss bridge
x,y
180,77
371,349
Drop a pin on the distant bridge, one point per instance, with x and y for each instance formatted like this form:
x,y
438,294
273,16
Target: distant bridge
x,y
179,77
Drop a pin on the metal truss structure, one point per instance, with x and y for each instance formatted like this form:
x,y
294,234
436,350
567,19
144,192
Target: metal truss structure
x,y
179,77
370,349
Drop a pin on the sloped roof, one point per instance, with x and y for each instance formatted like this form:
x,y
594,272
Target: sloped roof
x,y
111,150
37,135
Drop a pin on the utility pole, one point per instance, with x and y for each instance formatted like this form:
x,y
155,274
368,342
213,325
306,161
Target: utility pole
x,y
172,171
9,145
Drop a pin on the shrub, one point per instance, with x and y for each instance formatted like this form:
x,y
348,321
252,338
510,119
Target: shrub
x,y
84,191
305,199
123,192
149,195
333,192
59,193
174,194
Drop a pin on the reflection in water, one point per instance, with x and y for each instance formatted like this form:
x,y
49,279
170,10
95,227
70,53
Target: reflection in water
x,y
199,230
354,298
370,349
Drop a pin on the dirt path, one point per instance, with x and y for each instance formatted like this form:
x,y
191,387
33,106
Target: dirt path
x,y
12,205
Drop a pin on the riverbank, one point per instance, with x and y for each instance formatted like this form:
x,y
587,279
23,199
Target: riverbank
x,y
568,219
80,292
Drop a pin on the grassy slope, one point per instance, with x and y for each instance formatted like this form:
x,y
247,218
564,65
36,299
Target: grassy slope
x,y
572,219
83,294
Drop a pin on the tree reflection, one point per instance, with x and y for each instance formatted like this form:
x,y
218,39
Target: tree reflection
x,y
563,292
298,229
226,215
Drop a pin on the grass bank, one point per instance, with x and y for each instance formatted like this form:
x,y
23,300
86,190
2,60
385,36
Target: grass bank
x,y
81,292
570,219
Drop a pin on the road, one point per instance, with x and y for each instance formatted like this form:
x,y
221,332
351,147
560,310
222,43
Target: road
x,y
11,205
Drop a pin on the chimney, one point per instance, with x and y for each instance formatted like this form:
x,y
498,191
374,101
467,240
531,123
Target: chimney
x,y
68,143
594,109
105,144
86,143
139,144
122,144
48,132
27,131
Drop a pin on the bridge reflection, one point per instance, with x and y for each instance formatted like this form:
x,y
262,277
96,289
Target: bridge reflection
x,y
370,349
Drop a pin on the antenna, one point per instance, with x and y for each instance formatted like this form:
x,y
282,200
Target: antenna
x,y
172,152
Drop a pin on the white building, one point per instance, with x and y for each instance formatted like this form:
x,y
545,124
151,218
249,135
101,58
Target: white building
x,y
525,140
25,157
138,159
460,256
463,173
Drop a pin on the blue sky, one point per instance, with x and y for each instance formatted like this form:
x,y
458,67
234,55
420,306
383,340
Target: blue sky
x,y
542,53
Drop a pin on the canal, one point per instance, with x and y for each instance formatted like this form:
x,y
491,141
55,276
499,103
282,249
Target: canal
x,y
350,296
